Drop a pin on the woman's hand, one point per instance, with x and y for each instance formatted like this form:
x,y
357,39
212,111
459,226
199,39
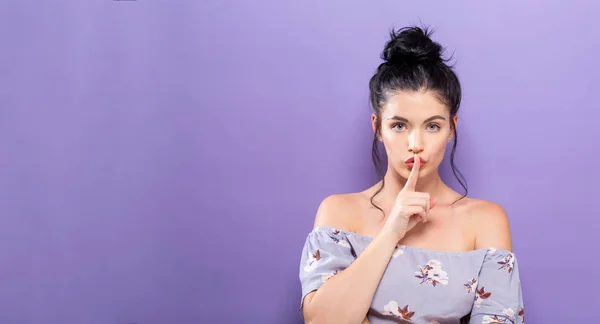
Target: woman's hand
x,y
410,207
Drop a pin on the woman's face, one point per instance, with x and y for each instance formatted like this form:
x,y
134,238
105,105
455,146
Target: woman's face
x,y
415,122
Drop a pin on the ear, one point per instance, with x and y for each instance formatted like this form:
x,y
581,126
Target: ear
x,y
374,122
455,118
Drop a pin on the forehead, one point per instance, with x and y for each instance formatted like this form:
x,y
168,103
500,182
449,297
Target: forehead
x,y
414,105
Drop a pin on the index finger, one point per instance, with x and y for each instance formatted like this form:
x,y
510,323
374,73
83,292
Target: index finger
x,y
411,182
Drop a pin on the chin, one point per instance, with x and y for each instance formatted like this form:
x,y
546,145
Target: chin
x,y
404,171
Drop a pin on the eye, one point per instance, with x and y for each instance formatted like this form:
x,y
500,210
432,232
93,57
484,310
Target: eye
x,y
433,127
398,126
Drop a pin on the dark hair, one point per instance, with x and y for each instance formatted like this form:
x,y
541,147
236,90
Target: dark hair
x,y
414,62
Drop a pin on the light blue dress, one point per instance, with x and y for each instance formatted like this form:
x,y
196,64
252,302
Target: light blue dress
x,y
422,286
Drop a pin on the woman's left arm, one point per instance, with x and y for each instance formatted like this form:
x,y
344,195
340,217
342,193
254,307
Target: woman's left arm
x,y
498,298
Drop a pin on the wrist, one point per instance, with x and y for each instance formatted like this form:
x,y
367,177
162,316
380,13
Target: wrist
x,y
388,238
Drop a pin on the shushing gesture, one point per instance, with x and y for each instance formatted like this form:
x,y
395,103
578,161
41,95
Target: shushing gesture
x,y
410,206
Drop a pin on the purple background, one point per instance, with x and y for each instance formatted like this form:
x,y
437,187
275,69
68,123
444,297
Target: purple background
x,y
162,161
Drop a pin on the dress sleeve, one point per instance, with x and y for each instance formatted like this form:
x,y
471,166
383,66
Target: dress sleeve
x,y
498,298
325,253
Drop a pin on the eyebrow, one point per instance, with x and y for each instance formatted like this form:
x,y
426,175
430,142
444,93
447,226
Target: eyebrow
x,y
426,120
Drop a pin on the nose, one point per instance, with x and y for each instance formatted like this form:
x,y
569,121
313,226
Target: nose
x,y
415,143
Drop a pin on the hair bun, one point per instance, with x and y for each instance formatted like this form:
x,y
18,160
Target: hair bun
x,y
411,45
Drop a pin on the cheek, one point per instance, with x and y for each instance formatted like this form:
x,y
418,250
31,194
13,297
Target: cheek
x,y
437,150
394,144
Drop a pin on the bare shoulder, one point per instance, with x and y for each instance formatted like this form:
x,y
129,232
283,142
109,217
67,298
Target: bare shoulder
x,y
491,223
338,211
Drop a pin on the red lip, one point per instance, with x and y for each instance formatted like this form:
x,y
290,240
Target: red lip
x,y
411,160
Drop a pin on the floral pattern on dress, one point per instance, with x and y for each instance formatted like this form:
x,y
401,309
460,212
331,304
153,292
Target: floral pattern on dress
x,y
507,263
522,315
432,273
487,319
326,254
508,318
312,260
399,250
393,309
337,238
481,295
471,285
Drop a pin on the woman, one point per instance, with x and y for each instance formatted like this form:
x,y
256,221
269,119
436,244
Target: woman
x,y
410,249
